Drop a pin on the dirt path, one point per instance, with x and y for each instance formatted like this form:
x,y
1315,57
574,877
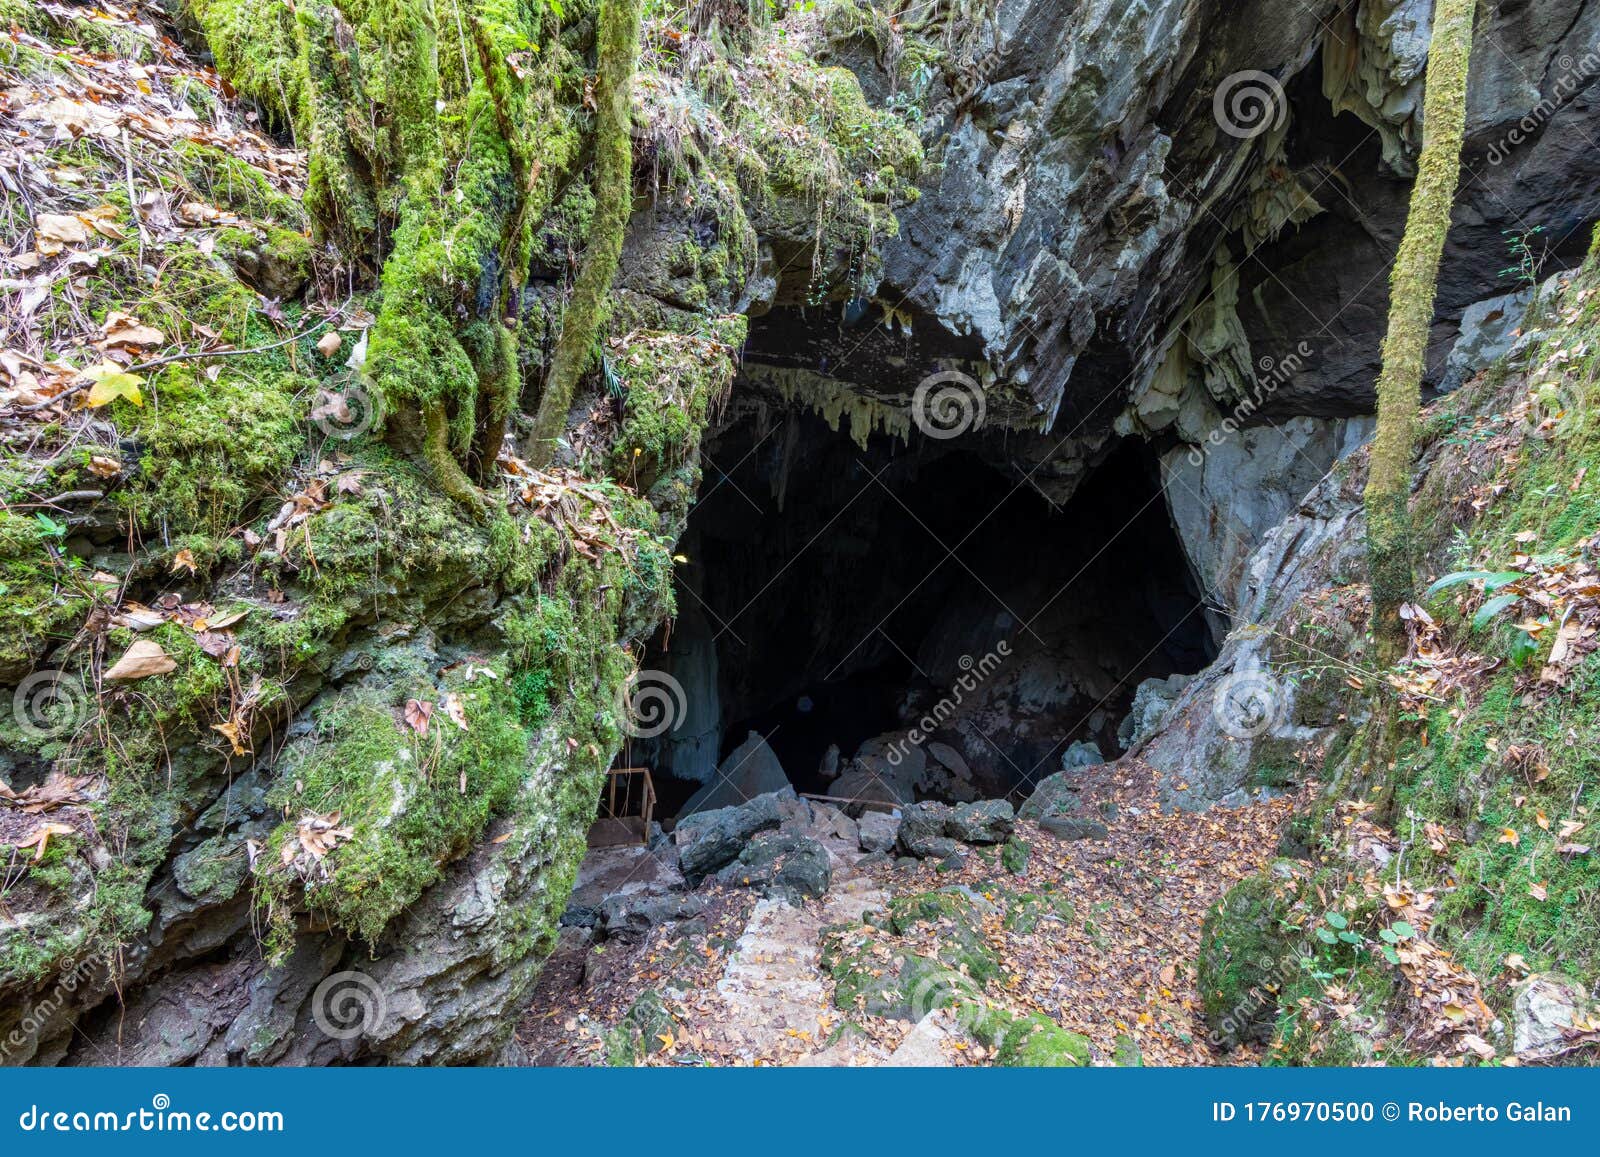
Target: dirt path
x,y
1098,935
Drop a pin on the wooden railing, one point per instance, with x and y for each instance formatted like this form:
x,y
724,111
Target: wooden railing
x,y
625,813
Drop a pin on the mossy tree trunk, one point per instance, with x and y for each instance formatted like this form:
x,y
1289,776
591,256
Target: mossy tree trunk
x,y
581,321
1413,284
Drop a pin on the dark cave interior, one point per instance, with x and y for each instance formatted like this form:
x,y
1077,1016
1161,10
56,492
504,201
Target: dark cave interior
x,y
833,594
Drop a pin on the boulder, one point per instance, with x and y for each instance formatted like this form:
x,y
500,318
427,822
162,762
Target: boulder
x,y
1084,753
781,863
828,821
1055,794
1151,701
988,821
860,784
1490,330
708,840
607,871
946,775
750,770
893,756
1546,1007
922,830
828,768
1074,828
878,831
629,917
949,758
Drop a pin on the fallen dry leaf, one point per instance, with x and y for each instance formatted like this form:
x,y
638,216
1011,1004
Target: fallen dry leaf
x,y
40,839
417,714
142,660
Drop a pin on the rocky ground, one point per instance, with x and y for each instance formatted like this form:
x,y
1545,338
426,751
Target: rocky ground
x,y
1075,935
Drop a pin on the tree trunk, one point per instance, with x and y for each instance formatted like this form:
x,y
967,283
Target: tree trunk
x,y
1413,284
613,193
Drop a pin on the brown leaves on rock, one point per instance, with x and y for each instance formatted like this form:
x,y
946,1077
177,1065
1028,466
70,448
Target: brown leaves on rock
x,y
59,790
313,838
571,503
296,512
129,118
140,661
40,839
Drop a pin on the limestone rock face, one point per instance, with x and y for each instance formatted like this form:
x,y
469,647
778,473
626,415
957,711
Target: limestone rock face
x,y
1236,717
1151,699
1224,495
1104,232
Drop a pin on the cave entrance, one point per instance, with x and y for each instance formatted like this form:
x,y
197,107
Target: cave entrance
x,y
837,598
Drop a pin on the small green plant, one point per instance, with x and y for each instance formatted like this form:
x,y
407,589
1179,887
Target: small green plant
x,y
1526,262
1394,936
49,528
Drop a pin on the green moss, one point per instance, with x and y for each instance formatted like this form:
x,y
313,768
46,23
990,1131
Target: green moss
x,y
43,596
672,382
1242,958
641,1031
1035,1041
1461,779
1014,856
906,912
230,183
412,802
208,450
1025,910
962,944
617,52
257,47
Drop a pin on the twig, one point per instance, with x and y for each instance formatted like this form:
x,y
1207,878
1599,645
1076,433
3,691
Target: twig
x,y
63,498
182,356
133,197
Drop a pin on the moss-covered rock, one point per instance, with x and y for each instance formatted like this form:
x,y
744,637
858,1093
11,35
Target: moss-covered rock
x,y
643,1031
1245,957
963,945
1037,1042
